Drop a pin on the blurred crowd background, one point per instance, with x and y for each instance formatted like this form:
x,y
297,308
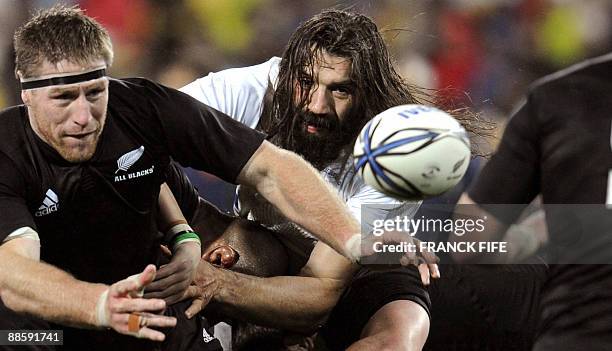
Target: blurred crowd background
x,y
477,53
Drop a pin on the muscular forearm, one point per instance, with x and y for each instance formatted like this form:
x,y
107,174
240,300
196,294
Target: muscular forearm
x,y
294,303
300,193
37,288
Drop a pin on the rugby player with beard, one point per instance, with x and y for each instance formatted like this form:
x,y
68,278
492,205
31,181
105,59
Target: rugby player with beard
x,y
82,164
334,75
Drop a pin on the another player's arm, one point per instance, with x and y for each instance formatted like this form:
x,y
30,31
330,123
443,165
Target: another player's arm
x,y
297,303
173,279
511,176
171,216
299,192
493,229
30,286
523,238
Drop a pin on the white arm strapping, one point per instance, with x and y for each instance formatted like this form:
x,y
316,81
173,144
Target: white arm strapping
x,y
23,232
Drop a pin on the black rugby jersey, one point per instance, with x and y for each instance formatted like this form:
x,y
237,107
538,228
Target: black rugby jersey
x,y
97,219
559,144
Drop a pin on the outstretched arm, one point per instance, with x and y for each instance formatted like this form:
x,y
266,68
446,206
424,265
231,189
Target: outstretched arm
x,y
30,286
299,192
297,303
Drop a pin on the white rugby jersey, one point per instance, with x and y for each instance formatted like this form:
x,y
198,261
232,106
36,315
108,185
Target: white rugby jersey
x,y
239,92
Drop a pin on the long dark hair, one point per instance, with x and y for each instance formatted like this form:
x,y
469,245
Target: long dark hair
x,y
377,85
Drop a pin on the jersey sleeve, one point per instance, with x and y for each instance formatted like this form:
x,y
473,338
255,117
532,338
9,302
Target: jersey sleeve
x,y
512,174
237,92
368,204
201,137
14,212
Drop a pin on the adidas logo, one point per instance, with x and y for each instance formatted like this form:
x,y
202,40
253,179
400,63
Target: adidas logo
x,y
207,337
50,204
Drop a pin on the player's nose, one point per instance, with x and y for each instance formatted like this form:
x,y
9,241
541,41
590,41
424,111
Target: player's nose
x,y
320,102
82,113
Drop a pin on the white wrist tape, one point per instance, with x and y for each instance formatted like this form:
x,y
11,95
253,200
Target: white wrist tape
x,y
352,248
101,314
23,232
176,245
181,227
181,233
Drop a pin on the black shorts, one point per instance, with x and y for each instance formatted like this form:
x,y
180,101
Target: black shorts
x,y
485,307
576,309
368,291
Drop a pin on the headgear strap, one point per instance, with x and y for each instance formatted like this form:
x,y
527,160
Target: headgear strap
x,y
61,80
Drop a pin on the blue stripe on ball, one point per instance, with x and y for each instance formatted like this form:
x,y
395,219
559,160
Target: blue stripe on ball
x,y
379,171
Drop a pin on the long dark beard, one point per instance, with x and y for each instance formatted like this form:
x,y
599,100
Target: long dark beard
x,y
324,147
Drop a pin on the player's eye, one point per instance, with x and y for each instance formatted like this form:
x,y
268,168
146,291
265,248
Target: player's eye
x,y
94,93
342,91
306,82
63,96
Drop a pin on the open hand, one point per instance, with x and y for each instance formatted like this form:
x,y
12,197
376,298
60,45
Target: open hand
x,y
123,309
173,279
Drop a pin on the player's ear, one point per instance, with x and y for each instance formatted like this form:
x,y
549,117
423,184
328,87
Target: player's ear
x,y
26,97
223,256
25,94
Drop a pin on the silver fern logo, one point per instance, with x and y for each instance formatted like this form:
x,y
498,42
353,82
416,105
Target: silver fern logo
x,y
126,161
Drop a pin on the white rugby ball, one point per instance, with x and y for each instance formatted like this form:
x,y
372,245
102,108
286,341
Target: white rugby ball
x,y
412,152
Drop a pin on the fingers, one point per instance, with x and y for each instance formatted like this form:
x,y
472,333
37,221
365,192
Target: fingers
x,y
168,283
147,333
197,305
434,270
171,282
429,257
147,276
137,324
166,251
170,288
201,300
133,285
171,269
157,321
171,296
136,305
124,287
424,273
130,314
